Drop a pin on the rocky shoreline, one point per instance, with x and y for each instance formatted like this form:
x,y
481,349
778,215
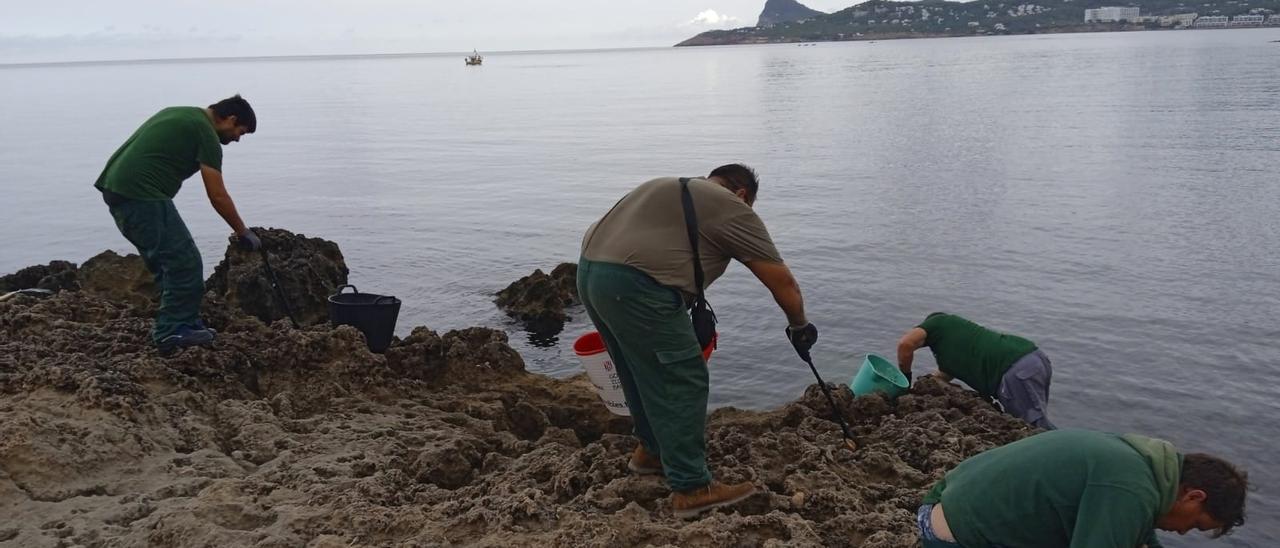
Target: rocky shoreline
x,y
302,437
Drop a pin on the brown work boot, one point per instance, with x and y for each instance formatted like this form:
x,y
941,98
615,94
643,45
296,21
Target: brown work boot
x,y
644,463
688,504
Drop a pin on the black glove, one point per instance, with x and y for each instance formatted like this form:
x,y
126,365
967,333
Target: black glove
x,y
249,241
802,338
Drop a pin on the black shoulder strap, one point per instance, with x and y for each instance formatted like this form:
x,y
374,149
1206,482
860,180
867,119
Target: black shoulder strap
x,y
691,226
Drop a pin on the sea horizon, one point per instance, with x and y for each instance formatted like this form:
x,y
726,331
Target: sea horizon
x,y
411,54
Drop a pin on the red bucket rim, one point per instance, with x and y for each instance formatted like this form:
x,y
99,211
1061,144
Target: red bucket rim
x,y
589,344
592,343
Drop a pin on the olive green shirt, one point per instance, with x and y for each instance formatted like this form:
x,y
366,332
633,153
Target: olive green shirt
x,y
974,354
167,149
646,230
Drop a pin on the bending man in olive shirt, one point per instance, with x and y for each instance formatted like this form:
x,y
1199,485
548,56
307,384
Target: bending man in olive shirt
x,y
997,365
139,183
1081,489
635,277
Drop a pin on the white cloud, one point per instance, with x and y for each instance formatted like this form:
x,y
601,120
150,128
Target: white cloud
x,y
710,18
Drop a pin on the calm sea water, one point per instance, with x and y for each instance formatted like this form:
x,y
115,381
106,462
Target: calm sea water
x,y
1111,196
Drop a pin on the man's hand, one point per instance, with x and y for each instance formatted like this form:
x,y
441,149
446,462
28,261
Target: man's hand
x,y
248,241
939,375
802,338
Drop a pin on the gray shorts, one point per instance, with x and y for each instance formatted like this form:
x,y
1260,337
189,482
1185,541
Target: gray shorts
x,y
1024,389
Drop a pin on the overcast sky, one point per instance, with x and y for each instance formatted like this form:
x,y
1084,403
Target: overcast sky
x,y
61,30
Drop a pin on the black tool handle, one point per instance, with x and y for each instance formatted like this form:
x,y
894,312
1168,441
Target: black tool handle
x,y
275,284
835,412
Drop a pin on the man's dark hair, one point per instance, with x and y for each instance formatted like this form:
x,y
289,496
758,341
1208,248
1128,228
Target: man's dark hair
x,y
1224,486
238,107
739,177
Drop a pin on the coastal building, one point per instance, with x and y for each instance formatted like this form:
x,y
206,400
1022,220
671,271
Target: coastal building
x,y
1212,21
1247,21
1110,14
1179,20
1274,20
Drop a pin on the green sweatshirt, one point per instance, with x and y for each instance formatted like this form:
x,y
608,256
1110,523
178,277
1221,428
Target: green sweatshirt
x,y
1063,488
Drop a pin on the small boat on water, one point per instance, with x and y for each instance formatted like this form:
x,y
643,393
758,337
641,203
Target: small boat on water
x,y
474,58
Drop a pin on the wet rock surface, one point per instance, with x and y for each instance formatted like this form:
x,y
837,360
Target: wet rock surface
x,y
109,275
55,276
539,300
309,270
121,278
284,437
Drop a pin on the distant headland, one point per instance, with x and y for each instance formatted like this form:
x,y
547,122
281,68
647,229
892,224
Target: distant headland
x,y
789,21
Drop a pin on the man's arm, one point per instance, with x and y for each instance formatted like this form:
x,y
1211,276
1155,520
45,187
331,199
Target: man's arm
x,y
786,292
216,189
907,346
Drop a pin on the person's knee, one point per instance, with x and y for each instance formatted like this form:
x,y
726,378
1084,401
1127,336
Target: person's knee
x,y
182,259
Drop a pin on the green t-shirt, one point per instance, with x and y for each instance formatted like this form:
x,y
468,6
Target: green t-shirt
x,y
972,353
167,149
1058,489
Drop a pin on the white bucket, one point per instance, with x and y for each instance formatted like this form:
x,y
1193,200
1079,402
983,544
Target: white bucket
x,y
595,359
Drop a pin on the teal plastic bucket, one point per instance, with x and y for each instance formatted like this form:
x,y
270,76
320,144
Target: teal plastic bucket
x,y
879,375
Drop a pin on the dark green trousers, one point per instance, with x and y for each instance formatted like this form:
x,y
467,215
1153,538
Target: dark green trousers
x,y
650,338
165,244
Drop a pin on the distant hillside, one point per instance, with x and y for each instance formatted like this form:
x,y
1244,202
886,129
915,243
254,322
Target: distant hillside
x,y
785,11
884,19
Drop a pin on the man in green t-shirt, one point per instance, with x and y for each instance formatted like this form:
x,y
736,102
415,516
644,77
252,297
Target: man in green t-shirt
x,y
636,277
1001,366
1081,489
139,183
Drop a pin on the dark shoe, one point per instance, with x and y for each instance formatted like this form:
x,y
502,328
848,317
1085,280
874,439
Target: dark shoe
x,y
688,504
200,325
644,463
185,336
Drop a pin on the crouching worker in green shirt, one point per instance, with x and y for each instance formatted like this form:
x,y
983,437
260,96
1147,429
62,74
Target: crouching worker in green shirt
x,y
139,183
1005,367
1081,489
636,276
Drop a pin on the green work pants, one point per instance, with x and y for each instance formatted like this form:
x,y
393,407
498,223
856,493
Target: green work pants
x,y
156,229
650,339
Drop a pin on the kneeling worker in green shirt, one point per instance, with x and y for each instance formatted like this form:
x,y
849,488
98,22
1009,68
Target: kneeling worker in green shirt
x,y
1081,489
139,183
1001,366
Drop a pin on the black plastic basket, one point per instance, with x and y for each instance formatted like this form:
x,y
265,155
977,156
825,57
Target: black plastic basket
x,y
374,315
